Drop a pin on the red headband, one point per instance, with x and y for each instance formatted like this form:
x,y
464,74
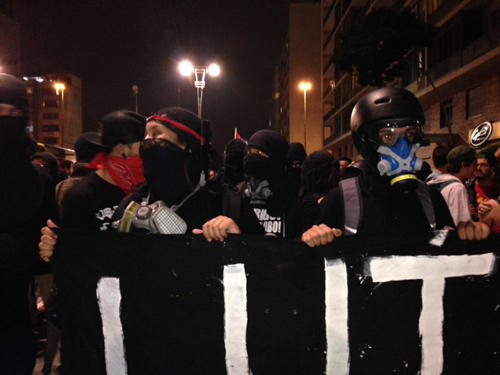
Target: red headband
x,y
178,125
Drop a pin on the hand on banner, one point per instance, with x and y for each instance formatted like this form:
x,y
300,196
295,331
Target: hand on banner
x,y
47,241
470,230
218,228
319,235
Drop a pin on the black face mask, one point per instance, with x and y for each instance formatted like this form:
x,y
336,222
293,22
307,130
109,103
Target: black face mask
x,y
14,140
262,168
168,170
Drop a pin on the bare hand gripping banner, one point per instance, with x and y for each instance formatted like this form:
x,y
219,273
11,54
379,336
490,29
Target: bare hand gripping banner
x,y
412,303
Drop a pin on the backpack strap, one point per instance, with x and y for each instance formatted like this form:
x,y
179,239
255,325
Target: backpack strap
x,y
231,201
425,199
353,210
442,185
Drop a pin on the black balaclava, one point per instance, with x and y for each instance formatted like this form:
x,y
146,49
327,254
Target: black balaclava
x,y
320,172
294,158
52,163
14,139
261,168
173,173
233,161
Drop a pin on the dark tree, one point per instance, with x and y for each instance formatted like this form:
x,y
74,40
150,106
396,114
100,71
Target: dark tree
x,y
375,47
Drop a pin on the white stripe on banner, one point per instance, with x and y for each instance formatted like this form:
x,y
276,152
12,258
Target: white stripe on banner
x,y
432,270
109,298
235,326
337,355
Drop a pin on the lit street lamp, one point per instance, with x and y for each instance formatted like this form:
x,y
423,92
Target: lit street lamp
x,y
60,87
305,86
135,90
186,69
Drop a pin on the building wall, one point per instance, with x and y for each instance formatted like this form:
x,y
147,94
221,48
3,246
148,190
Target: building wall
x,y
305,65
450,75
56,117
300,61
10,42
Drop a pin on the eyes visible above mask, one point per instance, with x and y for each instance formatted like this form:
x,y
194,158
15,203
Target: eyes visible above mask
x,y
390,136
256,151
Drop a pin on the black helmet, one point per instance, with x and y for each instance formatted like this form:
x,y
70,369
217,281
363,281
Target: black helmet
x,y
385,107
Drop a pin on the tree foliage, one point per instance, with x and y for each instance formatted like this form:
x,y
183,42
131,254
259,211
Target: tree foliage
x,y
375,47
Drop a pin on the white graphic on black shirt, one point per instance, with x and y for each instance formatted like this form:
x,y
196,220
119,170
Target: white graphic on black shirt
x,y
272,224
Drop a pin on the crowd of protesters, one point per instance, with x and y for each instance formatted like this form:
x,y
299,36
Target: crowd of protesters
x,y
267,186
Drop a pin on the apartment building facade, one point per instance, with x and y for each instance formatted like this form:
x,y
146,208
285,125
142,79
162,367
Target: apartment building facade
x,y
457,79
297,112
56,105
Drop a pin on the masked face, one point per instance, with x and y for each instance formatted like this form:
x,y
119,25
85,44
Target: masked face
x,y
257,164
168,170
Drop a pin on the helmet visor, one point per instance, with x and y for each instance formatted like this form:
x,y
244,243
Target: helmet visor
x,y
389,133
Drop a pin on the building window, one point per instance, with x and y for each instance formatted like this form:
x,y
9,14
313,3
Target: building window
x,y
473,102
51,140
50,116
446,113
50,128
50,103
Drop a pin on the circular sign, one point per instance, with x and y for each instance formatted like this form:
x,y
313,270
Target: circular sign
x,y
481,134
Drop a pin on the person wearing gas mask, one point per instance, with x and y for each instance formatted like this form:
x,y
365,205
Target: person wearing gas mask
x,y
26,201
177,198
387,129
271,190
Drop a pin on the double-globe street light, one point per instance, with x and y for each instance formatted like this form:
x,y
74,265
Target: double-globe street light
x,y
186,69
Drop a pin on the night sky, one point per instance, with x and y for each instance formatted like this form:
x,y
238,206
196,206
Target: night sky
x,y
115,44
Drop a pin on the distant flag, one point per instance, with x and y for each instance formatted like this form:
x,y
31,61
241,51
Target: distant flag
x,y
236,134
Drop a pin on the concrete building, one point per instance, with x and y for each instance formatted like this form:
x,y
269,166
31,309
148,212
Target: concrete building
x,y
56,104
10,45
460,79
297,112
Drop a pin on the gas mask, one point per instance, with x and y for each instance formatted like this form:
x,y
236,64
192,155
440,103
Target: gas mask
x,y
397,148
258,189
155,218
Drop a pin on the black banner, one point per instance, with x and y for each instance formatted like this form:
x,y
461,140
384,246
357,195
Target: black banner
x,y
412,303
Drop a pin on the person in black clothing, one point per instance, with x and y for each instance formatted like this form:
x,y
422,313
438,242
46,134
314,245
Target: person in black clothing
x,y
85,151
319,175
294,158
91,203
26,200
174,154
387,126
232,173
271,190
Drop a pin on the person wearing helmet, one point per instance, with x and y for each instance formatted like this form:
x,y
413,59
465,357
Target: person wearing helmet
x,y
387,129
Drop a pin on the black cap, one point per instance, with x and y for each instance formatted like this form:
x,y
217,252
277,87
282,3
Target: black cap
x,y
13,92
87,147
121,127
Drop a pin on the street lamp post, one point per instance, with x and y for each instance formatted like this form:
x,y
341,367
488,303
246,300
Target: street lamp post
x,y
305,86
135,90
186,69
60,87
